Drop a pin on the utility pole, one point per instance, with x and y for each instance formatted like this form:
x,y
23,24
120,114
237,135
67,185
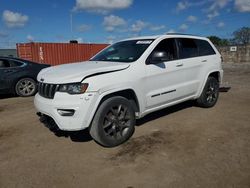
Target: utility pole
x,y
71,25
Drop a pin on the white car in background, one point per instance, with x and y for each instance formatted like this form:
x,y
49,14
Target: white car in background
x,y
127,81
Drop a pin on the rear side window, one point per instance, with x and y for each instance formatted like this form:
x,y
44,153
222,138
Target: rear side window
x,y
15,63
204,48
187,48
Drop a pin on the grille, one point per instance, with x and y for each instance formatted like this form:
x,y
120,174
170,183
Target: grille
x,y
47,90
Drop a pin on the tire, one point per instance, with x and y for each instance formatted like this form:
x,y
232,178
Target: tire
x,y
114,122
210,93
26,87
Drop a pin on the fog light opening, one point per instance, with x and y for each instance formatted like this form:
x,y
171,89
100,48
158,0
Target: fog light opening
x,y
66,112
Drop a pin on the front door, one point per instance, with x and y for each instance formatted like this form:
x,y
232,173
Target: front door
x,y
4,71
164,79
7,68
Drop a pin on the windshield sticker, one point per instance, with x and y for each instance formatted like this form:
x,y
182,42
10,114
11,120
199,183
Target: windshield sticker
x,y
114,58
144,42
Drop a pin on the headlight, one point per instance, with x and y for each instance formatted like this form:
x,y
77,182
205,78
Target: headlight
x,y
75,88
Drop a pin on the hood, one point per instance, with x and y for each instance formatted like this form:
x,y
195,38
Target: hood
x,y
76,72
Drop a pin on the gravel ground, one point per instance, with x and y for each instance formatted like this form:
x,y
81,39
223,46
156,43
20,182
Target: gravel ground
x,y
182,146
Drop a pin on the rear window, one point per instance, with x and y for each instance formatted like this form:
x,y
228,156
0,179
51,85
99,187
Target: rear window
x,y
204,48
187,48
15,63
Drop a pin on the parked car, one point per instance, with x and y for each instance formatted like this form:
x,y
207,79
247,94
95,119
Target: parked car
x,y
18,76
127,81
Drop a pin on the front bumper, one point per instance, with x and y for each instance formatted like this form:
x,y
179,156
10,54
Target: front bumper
x,y
82,104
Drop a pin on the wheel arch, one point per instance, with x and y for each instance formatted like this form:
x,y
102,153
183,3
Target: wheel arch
x,y
127,93
19,78
214,73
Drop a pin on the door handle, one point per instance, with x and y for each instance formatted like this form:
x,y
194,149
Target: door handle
x,y
6,71
204,61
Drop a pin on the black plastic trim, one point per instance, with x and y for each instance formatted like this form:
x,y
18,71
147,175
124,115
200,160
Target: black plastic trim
x,y
168,92
163,93
156,95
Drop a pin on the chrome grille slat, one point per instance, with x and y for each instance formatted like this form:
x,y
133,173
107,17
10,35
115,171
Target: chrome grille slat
x,y
57,87
50,90
38,87
43,87
47,90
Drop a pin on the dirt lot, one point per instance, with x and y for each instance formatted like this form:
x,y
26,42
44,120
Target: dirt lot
x,y
183,146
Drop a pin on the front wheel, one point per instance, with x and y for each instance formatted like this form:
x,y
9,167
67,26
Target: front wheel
x,y
210,93
114,122
26,87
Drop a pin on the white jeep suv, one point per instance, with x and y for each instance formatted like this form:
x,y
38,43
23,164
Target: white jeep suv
x,y
127,81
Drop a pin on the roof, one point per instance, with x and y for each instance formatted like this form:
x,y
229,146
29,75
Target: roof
x,y
16,58
145,37
167,34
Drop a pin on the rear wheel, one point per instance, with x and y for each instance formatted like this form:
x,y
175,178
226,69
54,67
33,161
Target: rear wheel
x,y
210,93
26,87
114,122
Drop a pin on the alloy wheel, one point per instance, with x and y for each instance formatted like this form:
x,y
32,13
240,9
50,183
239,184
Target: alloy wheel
x,y
117,122
26,87
212,92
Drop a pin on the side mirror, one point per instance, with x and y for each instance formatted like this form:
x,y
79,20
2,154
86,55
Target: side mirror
x,y
157,57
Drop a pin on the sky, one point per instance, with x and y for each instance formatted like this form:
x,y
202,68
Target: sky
x,y
107,21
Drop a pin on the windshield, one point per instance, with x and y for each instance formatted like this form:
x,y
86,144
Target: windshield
x,y
125,51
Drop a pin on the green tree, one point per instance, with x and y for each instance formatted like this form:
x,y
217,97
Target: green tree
x,y
242,35
218,41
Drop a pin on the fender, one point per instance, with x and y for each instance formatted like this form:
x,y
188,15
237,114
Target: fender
x,y
206,77
102,95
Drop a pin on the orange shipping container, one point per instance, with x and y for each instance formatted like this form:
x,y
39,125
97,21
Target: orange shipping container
x,y
58,53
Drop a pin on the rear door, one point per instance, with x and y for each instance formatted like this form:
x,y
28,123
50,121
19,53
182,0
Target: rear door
x,y
191,66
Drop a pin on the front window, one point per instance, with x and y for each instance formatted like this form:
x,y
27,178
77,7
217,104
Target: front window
x,y
125,51
4,63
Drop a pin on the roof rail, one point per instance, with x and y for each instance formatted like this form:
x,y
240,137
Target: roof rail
x,y
180,34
